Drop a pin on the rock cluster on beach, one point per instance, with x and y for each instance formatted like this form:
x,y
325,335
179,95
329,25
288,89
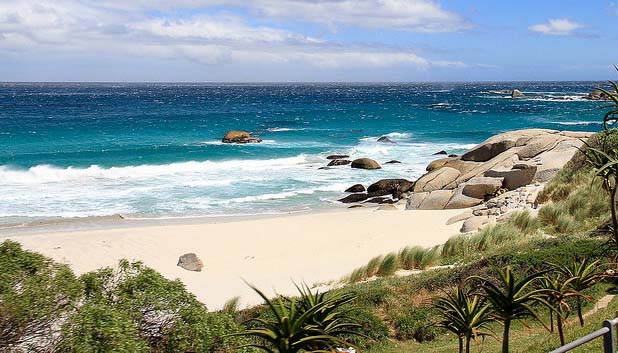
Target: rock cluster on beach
x,y
240,136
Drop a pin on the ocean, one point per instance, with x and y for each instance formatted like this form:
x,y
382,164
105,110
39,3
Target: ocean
x,y
155,151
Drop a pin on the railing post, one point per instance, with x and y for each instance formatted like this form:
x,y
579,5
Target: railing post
x,y
608,338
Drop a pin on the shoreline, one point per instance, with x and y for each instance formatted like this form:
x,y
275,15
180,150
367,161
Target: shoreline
x,y
268,252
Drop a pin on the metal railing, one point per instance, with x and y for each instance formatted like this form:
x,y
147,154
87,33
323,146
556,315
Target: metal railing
x,y
608,332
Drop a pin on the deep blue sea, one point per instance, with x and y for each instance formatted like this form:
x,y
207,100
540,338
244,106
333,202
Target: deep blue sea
x,y
154,150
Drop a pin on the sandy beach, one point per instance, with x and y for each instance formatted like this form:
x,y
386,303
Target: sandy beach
x,y
268,252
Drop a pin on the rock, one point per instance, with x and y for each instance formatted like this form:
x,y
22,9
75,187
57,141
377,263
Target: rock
x,y
436,200
324,168
356,206
550,162
381,200
440,152
453,155
354,198
460,217
504,160
459,200
336,162
190,262
356,188
239,136
475,223
488,150
479,187
393,162
596,95
415,200
516,177
438,163
537,145
387,208
365,163
338,156
517,94
395,187
436,179
385,139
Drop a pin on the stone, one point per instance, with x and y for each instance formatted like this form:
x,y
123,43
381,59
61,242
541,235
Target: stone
x,y
460,217
354,198
240,136
436,200
488,150
453,155
190,262
479,187
550,162
395,187
438,163
381,200
338,156
436,179
415,200
517,94
393,162
596,95
356,206
473,224
385,139
365,163
459,200
537,145
355,188
387,207
337,162
440,152
515,177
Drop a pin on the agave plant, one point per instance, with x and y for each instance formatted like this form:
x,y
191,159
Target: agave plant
x,y
611,116
511,299
584,274
559,290
311,323
467,316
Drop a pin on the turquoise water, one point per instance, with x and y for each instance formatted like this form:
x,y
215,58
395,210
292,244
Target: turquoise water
x,y
153,150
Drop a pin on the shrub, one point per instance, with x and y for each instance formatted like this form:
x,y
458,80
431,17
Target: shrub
x,y
415,325
371,327
35,294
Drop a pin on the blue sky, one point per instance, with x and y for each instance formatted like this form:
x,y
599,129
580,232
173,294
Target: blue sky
x,y
307,40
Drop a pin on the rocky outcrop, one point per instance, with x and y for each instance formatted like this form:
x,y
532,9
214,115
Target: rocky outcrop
x,y
240,136
517,94
337,162
393,162
460,200
395,187
479,187
354,198
596,95
475,223
519,175
440,152
356,188
190,262
436,179
365,163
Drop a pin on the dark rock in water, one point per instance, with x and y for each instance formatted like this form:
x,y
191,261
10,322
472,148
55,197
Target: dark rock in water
x,y
381,200
385,139
239,136
596,95
393,162
517,94
190,262
395,187
337,156
365,163
356,206
356,188
452,155
324,168
354,198
336,162
441,152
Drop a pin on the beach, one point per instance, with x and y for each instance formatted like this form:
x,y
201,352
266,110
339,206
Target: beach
x,y
270,253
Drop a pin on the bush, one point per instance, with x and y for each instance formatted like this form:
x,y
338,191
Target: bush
x,y
415,325
35,295
371,327
101,328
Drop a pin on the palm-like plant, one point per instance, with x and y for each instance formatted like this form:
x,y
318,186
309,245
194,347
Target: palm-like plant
x,y
611,116
468,316
559,290
585,274
511,298
312,323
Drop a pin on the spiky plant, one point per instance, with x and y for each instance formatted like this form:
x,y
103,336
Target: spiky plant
x,y
467,316
558,292
585,274
311,323
512,298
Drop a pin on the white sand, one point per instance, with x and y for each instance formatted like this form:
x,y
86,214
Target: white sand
x,y
269,253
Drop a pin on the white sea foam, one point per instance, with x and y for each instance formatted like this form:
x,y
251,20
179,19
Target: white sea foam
x,y
283,129
572,123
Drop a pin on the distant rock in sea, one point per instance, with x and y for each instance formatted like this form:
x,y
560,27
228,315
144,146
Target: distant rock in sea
x,y
596,95
385,139
336,162
240,136
517,94
338,156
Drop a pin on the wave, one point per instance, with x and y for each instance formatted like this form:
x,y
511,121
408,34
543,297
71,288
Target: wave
x,y
219,142
571,123
283,129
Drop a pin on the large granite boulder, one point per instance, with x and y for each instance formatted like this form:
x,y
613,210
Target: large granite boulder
x,y
539,144
521,174
240,136
453,162
436,200
365,163
459,200
497,144
190,262
479,187
436,179
475,223
550,162
415,200
395,187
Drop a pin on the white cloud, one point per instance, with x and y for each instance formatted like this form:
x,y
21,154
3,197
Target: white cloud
x,y
557,27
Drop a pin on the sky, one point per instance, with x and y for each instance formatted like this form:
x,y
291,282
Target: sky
x,y
307,40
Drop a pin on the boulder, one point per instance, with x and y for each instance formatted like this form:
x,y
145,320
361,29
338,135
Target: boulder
x,y
356,206
415,200
517,94
453,155
338,156
395,187
504,160
436,200
393,162
239,136
459,200
538,145
488,150
436,179
440,152
336,162
190,262
475,223
437,163
387,207
356,188
478,187
460,217
521,174
550,162
354,198
452,162
365,163
385,139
